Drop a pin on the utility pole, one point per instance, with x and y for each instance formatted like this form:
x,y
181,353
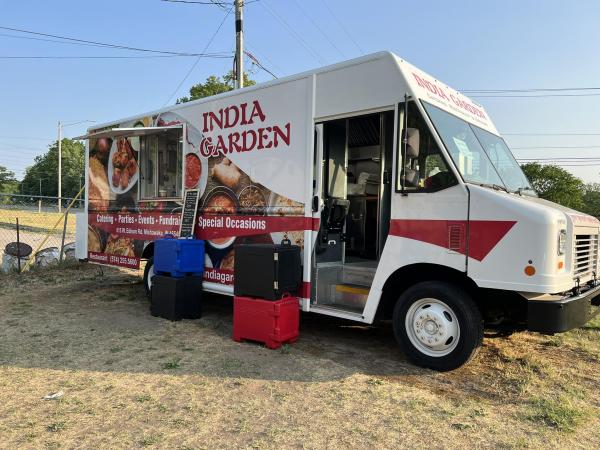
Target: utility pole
x,y
59,166
239,44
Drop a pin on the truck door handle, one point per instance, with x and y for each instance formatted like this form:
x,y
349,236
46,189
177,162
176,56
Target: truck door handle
x,y
315,203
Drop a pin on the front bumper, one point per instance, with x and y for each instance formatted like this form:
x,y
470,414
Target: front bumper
x,y
557,316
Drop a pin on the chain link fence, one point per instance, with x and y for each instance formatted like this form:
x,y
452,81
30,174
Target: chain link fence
x,y
38,218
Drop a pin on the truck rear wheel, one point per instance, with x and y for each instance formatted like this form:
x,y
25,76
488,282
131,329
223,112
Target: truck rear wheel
x,y
438,325
148,275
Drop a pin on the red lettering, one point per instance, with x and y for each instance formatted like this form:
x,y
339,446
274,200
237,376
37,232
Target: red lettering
x,y
206,147
220,147
213,119
230,118
233,142
243,108
262,137
278,133
205,119
245,145
256,112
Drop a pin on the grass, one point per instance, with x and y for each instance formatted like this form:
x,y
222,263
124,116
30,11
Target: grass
x,y
55,427
559,414
35,221
188,385
170,365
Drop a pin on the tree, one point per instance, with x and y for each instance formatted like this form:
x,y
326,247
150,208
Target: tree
x,y
556,184
214,85
8,182
591,199
45,168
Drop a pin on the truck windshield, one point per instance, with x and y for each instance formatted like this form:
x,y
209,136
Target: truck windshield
x,y
480,156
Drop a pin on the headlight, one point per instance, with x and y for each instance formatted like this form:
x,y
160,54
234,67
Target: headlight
x,y
562,241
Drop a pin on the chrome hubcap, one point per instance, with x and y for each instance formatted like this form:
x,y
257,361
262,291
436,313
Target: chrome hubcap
x,y
432,327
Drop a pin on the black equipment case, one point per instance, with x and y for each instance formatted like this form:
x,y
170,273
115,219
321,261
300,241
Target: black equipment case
x,y
176,298
267,270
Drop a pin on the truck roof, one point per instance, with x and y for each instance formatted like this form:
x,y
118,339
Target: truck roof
x,y
419,84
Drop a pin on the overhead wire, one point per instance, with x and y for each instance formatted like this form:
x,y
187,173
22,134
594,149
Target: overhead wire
x,y
262,55
102,44
115,57
212,38
533,90
316,25
550,134
294,34
197,2
533,96
556,147
339,22
259,64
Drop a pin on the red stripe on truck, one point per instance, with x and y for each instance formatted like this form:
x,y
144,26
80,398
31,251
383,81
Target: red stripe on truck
x,y
484,234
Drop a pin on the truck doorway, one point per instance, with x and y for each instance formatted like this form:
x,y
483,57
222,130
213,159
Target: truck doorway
x,y
356,194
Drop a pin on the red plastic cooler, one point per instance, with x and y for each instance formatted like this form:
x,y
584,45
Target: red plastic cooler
x,y
272,322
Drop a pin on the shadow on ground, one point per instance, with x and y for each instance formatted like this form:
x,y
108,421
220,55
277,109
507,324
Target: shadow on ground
x,y
83,318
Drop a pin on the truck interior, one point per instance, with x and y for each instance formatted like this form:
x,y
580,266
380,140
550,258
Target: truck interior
x,y
161,164
356,192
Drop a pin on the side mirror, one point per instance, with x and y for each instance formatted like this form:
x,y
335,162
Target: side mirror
x,y
412,140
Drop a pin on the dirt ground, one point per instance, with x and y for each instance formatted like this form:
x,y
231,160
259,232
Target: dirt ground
x,y
131,380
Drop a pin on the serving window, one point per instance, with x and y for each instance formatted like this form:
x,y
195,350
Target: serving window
x,y
161,165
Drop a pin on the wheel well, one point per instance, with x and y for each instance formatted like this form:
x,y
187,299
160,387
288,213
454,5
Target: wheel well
x,y
407,276
148,251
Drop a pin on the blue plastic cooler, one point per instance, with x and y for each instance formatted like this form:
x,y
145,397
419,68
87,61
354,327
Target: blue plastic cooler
x,y
178,257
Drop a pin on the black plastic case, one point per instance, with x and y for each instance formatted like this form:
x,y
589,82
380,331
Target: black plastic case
x,y
267,270
176,298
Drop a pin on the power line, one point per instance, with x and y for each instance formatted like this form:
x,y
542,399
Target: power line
x,y
550,134
316,25
263,56
342,26
116,57
102,44
572,165
49,40
294,34
198,59
28,137
197,3
258,63
489,91
533,96
559,147
566,159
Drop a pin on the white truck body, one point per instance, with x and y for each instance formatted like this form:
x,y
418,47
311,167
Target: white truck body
x,y
308,138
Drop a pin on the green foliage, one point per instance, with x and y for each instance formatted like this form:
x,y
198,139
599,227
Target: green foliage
x,y
591,199
214,85
8,182
45,168
556,184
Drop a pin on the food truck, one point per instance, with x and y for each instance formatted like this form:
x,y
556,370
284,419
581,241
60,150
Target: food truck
x,y
406,202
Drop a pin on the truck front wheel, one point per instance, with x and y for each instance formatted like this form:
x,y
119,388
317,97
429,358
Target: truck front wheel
x,y
438,325
148,275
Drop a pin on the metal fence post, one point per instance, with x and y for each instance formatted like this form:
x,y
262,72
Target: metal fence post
x,y
18,248
62,243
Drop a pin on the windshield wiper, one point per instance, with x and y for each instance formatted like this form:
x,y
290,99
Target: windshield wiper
x,y
496,187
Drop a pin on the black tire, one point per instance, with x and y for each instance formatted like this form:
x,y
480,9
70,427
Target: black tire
x,y
468,317
149,265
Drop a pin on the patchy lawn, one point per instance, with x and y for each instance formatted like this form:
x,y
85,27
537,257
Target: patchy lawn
x,y
132,380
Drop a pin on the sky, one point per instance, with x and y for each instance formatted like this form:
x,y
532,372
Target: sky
x,y
470,45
